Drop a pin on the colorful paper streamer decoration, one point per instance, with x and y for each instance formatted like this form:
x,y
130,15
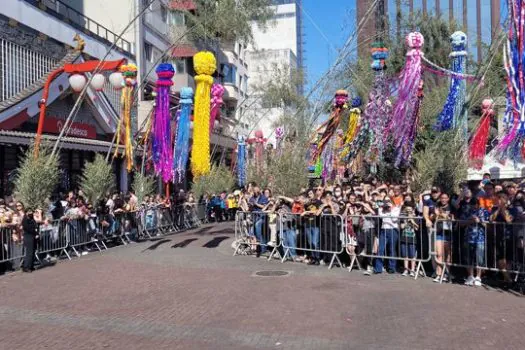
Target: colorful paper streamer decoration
x,y
205,65
403,125
378,111
452,110
162,148
181,149
478,143
129,71
241,161
511,144
339,106
217,90
259,140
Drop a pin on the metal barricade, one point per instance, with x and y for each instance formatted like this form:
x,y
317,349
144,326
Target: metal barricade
x,y
373,239
52,238
478,247
12,246
257,232
78,234
319,237
165,223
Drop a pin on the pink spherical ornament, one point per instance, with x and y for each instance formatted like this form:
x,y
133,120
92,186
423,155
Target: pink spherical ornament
x,y
487,103
130,81
415,40
259,134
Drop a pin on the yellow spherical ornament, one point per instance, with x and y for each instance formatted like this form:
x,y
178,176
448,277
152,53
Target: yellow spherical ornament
x,y
204,63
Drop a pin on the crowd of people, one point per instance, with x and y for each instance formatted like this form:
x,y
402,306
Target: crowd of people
x,y
481,227
117,217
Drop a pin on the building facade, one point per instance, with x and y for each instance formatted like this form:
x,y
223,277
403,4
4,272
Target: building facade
x,y
480,19
277,47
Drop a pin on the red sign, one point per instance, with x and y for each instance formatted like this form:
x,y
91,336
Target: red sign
x,y
80,130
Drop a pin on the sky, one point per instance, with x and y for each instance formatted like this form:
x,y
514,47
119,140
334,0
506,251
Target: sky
x,y
323,24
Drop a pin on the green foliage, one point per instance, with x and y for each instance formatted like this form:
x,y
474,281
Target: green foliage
x,y
284,171
228,20
219,179
143,185
36,179
97,179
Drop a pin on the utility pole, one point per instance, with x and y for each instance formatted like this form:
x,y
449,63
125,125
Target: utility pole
x,y
380,20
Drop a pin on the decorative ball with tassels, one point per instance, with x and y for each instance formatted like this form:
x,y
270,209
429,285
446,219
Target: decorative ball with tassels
x,y
415,40
379,56
341,98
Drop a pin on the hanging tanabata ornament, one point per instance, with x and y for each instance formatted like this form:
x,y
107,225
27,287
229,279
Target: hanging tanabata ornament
x,y
478,143
205,65
362,134
182,140
217,91
405,117
241,161
129,72
511,145
338,108
259,142
452,110
162,148
378,110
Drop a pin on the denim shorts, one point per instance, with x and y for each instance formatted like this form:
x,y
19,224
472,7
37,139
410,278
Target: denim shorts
x,y
443,235
476,254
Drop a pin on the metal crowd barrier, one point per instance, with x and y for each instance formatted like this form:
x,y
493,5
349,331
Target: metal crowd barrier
x,y
374,239
11,240
318,237
479,247
257,231
52,238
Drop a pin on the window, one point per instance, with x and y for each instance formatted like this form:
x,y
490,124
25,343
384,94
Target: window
x,y
164,13
241,78
177,18
180,66
229,72
147,3
244,86
148,52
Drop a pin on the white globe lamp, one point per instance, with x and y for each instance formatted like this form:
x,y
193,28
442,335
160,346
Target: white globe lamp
x,y
77,82
97,82
116,80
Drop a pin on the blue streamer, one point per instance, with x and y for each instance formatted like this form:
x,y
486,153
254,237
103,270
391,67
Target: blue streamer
x,y
182,144
241,161
451,113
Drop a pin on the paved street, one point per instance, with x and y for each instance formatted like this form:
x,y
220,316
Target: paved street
x,y
186,291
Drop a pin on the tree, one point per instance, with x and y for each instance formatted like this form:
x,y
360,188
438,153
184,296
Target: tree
x,y
227,20
36,178
97,179
219,179
143,185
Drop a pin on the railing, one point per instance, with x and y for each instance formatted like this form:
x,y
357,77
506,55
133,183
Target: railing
x,y
20,68
75,18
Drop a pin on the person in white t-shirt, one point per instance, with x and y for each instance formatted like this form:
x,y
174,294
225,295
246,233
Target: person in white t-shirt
x,y
388,236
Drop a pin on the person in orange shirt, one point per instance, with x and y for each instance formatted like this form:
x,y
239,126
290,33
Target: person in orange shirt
x,y
397,198
488,199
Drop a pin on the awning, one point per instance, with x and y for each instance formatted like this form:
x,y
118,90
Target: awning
x,y
183,51
26,138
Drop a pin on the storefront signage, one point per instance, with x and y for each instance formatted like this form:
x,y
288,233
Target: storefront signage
x,y
80,130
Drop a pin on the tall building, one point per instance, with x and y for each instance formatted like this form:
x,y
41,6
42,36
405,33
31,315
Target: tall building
x,y
280,45
479,19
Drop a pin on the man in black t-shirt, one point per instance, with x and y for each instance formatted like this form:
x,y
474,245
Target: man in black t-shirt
x,y
311,227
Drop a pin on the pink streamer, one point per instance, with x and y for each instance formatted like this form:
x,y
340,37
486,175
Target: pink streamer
x,y
217,91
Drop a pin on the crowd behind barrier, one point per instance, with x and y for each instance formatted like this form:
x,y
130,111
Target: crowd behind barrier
x,y
474,236
72,228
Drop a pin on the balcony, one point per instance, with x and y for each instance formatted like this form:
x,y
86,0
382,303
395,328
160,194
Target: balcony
x,y
79,21
231,92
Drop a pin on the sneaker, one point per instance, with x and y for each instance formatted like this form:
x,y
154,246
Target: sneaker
x,y
405,273
477,282
470,281
437,280
271,244
412,273
322,263
367,272
297,259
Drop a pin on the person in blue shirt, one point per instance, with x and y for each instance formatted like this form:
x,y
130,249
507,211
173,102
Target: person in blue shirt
x,y
257,203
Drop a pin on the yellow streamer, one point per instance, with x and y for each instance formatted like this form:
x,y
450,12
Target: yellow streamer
x,y
353,128
204,64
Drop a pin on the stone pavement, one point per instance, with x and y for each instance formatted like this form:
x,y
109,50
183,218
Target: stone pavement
x,y
186,291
